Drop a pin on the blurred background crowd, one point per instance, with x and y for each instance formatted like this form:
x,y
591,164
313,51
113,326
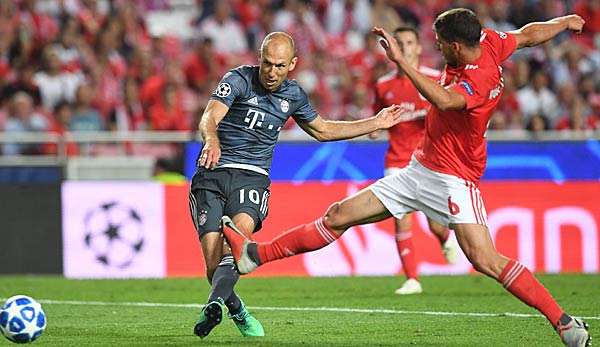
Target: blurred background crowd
x,y
87,65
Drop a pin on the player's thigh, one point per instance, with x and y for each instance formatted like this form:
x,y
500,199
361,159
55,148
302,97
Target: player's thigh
x,y
435,227
206,209
360,208
245,223
477,244
248,197
448,199
397,192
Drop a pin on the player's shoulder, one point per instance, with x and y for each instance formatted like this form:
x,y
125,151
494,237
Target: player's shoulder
x,y
292,90
386,80
244,71
429,71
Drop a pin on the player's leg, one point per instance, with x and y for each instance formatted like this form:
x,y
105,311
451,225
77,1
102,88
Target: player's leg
x,y
206,208
360,208
476,243
247,205
238,313
406,251
449,245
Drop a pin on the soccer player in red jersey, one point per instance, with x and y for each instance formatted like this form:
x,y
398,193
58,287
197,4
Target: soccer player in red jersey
x,y
442,178
396,88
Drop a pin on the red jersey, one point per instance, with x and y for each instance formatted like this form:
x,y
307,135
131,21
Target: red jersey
x,y
454,141
405,136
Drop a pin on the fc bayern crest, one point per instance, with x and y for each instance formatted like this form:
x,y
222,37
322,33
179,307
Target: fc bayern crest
x,y
202,217
285,105
223,90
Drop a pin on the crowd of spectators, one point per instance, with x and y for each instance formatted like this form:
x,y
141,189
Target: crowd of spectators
x,y
85,65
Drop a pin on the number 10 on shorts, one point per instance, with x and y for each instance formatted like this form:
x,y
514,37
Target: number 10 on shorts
x,y
254,197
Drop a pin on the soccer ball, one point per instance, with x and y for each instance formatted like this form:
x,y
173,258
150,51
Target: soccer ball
x,y
22,319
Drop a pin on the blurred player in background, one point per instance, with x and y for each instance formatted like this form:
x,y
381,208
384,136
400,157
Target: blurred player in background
x,y
240,126
396,88
442,178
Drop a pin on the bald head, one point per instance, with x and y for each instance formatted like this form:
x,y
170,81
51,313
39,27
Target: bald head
x,y
279,41
277,58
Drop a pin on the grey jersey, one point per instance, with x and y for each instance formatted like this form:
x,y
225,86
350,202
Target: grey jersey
x,y
251,127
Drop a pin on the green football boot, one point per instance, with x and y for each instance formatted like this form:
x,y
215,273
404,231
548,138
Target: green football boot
x,y
210,316
246,323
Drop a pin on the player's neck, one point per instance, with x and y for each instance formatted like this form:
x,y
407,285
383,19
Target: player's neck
x,y
471,55
415,64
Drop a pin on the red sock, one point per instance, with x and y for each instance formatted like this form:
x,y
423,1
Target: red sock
x,y
518,280
406,251
301,239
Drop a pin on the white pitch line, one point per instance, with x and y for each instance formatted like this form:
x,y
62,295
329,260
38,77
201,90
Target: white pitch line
x,y
306,309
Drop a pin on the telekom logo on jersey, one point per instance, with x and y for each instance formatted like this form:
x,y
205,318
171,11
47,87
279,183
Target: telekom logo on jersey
x,y
541,239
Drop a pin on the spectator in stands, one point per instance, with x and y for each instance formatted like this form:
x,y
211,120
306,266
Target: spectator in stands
x,y
67,47
56,85
129,115
589,10
348,15
385,16
537,98
203,66
22,117
168,114
224,30
23,83
537,123
257,31
85,116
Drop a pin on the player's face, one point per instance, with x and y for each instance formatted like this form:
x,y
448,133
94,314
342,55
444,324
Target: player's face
x,y
409,44
275,63
449,50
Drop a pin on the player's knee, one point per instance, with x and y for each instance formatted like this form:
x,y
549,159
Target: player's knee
x,y
334,218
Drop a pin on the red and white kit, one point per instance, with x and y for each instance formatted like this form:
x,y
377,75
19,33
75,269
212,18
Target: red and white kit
x,y
442,179
404,137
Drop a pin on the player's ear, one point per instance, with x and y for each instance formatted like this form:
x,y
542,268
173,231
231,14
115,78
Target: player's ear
x,y
455,46
293,63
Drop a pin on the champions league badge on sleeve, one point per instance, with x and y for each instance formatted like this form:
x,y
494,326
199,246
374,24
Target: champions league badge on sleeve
x,y
285,106
223,90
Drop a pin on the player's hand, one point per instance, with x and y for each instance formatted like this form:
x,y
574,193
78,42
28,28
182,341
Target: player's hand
x,y
574,23
211,153
389,116
392,50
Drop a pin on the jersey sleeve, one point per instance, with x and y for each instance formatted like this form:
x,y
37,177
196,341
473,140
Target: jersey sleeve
x,y
304,112
503,43
469,87
232,85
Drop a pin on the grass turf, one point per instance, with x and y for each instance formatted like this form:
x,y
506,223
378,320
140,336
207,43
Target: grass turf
x,y
114,325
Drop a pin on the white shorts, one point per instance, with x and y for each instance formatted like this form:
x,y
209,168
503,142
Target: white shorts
x,y
444,198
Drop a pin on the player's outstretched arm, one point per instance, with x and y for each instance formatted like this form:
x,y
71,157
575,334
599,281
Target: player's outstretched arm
x,y
328,130
443,99
211,151
536,33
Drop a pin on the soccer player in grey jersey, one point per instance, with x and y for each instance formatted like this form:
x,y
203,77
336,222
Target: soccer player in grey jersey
x,y
240,126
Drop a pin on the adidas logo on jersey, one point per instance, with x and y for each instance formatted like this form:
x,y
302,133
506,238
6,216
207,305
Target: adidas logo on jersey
x,y
253,101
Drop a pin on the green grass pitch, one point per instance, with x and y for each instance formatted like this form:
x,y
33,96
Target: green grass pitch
x,y
91,319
